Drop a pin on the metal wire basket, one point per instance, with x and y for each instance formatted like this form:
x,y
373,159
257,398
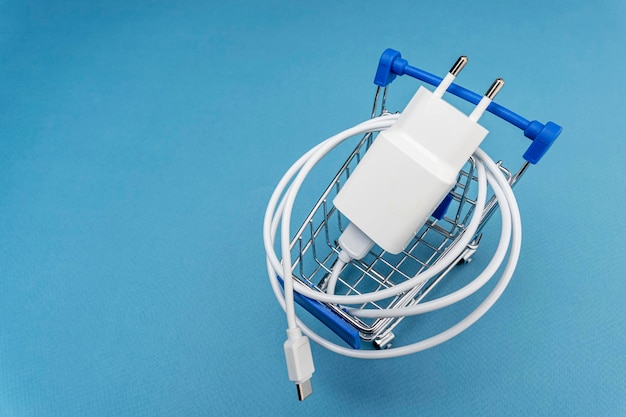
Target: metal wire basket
x,y
314,249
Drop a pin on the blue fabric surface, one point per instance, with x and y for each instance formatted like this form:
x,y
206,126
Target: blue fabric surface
x,y
140,141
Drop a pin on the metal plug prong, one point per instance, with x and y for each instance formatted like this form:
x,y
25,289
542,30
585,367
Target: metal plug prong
x,y
450,76
458,65
486,100
494,89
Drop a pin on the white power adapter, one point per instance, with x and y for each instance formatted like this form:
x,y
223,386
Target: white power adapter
x,y
410,168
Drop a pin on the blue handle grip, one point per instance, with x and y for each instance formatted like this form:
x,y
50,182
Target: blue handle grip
x,y
335,323
392,64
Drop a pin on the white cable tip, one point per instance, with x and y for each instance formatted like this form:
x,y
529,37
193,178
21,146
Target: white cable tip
x,y
299,362
486,100
353,244
450,76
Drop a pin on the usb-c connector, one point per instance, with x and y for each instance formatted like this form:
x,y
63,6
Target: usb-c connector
x,y
299,362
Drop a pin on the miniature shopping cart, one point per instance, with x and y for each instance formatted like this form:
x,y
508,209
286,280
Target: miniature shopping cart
x,y
314,247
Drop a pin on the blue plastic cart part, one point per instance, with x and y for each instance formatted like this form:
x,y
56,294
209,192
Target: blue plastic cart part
x,y
441,209
392,64
342,328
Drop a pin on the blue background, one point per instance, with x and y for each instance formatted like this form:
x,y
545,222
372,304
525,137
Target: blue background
x,y
140,141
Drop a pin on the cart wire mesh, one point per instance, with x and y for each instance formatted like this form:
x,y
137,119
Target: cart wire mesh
x,y
315,249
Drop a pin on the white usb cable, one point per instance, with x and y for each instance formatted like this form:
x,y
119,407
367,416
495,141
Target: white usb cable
x,y
355,243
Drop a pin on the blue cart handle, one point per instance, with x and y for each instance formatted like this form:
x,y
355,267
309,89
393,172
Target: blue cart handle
x,y
543,136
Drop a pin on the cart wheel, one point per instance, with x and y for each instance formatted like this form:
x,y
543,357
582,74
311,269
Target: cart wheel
x,y
466,256
383,342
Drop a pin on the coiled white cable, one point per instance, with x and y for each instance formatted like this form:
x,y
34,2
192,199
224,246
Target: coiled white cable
x,y
279,213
